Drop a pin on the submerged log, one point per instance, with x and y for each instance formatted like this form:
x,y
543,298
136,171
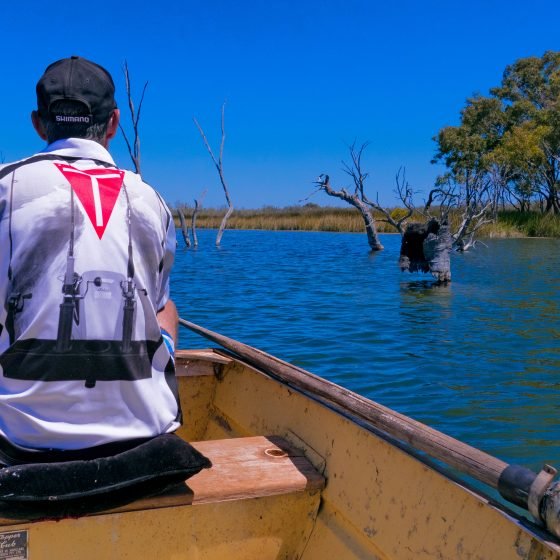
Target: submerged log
x,y
184,227
425,248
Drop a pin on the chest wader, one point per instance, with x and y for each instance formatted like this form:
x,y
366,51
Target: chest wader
x,y
67,358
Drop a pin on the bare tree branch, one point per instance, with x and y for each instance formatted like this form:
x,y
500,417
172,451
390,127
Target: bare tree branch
x,y
435,195
355,169
134,147
355,200
319,188
197,205
405,194
220,168
184,228
475,201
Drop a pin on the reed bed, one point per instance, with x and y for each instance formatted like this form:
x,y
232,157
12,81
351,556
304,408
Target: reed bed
x,y
291,218
312,217
531,224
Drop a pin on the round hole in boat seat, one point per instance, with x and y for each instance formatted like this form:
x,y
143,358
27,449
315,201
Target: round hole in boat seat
x,y
275,453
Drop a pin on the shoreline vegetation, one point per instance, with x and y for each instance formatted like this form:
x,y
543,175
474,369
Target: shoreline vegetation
x,y
312,217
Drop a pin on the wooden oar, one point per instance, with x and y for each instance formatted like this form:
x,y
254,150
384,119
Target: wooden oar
x,y
517,484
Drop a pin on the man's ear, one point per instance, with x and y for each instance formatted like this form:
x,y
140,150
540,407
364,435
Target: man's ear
x,y
38,125
113,125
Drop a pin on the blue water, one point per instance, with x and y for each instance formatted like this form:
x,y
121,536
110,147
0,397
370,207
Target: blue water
x,y
478,359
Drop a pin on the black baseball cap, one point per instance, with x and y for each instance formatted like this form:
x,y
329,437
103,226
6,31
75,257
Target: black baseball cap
x,y
80,80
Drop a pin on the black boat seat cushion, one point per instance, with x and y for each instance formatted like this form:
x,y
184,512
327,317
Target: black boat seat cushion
x,y
67,488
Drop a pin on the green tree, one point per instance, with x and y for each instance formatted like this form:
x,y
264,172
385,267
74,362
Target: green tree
x,y
530,93
507,145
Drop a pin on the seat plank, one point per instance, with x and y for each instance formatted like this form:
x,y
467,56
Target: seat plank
x,y
252,467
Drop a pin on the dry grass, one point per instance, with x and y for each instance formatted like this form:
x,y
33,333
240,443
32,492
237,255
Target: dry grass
x,y
292,218
327,218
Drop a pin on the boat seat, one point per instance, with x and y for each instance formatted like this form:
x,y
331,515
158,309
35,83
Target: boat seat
x,y
242,468
258,501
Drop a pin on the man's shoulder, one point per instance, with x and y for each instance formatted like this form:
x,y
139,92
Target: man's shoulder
x,y
135,181
9,167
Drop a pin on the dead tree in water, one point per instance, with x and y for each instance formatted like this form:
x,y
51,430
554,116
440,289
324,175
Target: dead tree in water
x,y
184,228
354,200
134,147
358,198
426,248
474,202
197,205
364,204
220,168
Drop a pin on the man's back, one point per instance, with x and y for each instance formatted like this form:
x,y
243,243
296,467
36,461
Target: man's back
x,y
88,251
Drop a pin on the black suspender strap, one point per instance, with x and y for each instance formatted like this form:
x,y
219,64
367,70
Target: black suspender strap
x,y
49,157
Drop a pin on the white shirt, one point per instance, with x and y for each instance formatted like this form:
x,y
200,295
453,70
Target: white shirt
x,y
82,361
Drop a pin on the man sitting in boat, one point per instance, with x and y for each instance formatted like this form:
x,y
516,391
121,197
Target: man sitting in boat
x,y
86,327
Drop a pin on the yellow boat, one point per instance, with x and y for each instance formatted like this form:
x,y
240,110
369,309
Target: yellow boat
x,y
304,470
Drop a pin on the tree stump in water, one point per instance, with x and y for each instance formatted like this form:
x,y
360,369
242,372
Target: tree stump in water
x,y
426,248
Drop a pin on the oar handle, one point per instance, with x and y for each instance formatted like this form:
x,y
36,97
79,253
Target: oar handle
x,y
518,485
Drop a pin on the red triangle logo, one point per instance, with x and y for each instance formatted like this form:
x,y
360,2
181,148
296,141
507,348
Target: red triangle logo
x,y
97,190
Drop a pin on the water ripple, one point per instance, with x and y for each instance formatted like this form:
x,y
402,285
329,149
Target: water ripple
x,y
478,359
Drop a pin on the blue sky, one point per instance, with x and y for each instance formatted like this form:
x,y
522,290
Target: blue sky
x,y
301,81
